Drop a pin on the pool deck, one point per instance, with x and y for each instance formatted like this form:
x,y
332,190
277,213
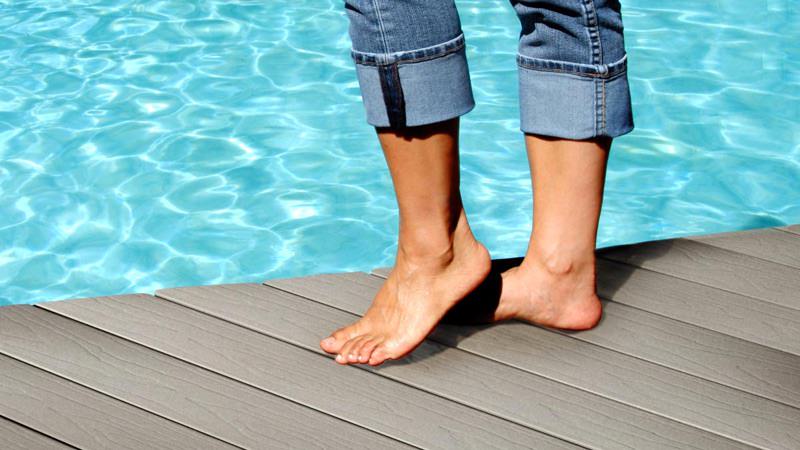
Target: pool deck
x,y
699,347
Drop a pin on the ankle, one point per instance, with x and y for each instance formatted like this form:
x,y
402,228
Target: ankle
x,y
425,244
433,252
563,262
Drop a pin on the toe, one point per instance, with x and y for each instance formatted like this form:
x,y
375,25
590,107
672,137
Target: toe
x,y
327,343
378,355
344,352
337,339
350,351
366,349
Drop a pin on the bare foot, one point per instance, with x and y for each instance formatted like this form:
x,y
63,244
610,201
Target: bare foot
x,y
552,295
412,301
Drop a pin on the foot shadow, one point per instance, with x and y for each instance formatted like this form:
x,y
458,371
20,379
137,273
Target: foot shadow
x,y
474,313
469,316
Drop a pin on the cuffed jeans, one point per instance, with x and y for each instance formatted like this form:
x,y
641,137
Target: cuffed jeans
x,y
411,65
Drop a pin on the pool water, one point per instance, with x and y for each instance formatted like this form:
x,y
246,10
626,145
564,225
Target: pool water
x,y
171,143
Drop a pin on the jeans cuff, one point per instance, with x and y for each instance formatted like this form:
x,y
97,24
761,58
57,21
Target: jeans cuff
x,y
574,101
415,87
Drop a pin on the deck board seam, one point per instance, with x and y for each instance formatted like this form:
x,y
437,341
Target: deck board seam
x,y
377,275
573,386
749,297
621,261
116,398
698,240
374,373
641,358
229,378
786,230
39,432
109,395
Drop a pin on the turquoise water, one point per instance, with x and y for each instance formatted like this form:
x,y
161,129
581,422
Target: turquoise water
x,y
150,144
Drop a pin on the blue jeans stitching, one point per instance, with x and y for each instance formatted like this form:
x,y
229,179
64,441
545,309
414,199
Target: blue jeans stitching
x,y
410,56
380,25
606,71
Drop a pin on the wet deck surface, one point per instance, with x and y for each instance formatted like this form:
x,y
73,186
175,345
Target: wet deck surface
x,y
699,347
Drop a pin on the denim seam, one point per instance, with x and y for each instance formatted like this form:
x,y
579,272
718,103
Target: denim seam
x,y
381,28
410,56
391,88
600,89
606,71
605,124
592,28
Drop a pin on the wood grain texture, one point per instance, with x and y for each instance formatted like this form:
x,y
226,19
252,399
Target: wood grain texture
x,y
309,378
715,267
770,244
695,350
84,418
16,437
199,399
669,393
723,311
506,392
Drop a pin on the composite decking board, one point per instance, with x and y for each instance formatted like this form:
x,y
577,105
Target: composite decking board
x,y
382,272
84,418
766,243
719,310
403,412
715,267
794,229
513,394
664,391
16,437
698,351
167,387
299,325
172,329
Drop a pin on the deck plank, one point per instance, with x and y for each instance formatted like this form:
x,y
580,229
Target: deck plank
x,y
715,267
16,437
794,229
348,392
84,418
507,392
766,243
199,399
669,393
689,348
722,311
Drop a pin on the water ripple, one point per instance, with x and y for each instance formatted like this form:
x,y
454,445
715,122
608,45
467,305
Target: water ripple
x,y
171,143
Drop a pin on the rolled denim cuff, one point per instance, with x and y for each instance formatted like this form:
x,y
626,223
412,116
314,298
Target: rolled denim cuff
x,y
415,87
574,101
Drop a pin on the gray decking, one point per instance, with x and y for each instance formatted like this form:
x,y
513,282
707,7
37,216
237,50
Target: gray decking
x,y
699,347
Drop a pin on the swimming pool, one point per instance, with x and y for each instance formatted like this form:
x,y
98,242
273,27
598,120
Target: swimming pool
x,y
170,143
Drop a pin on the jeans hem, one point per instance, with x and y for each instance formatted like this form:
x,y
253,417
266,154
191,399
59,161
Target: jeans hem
x,y
575,101
586,70
410,56
417,87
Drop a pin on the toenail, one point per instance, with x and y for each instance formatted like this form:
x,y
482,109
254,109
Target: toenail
x,y
339,358
327,341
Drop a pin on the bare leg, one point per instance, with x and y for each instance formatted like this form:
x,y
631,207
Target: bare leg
x,y
438,259
555,284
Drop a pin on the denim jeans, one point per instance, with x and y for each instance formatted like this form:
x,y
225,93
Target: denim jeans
x,y
411,65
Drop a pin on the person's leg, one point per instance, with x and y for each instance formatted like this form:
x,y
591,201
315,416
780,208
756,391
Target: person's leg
x,y
574,100
555,284
414,95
